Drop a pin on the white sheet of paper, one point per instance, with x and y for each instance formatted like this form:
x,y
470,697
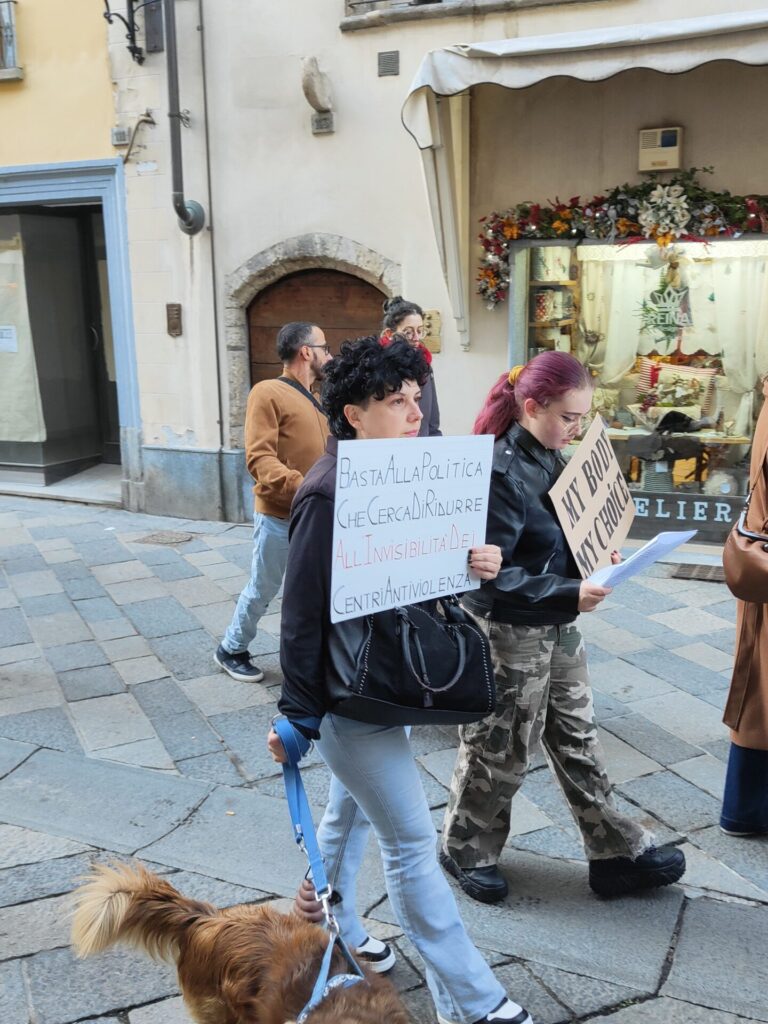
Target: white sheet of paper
x,y
662,544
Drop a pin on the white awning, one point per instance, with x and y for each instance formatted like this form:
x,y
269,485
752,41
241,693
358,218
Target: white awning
x,y
666,46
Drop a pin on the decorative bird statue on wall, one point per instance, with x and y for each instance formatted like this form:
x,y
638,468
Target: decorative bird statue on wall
x,y
316,86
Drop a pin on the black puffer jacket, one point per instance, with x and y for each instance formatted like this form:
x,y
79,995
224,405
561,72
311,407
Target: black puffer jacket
x,y
539,583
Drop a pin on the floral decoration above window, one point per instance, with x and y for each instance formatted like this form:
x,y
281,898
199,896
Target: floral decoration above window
x,y
682,208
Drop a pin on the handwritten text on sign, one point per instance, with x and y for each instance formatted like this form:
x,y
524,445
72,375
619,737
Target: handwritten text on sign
x,y
407,512
592,502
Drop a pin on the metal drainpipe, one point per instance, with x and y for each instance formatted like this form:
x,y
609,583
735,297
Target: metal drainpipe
x,y
190,213
214,291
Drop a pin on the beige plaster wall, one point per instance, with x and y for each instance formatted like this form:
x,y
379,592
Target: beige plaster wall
x,y
272,180
565,138
62,109
178,380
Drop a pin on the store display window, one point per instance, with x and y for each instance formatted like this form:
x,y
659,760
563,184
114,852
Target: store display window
x,y
676,337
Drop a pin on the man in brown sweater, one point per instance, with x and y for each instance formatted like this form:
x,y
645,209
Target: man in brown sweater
x,y
285,433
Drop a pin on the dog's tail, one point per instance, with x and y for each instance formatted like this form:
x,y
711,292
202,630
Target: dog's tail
x,y
125,903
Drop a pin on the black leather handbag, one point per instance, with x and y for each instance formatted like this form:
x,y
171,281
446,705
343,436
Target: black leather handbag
x,y
415,668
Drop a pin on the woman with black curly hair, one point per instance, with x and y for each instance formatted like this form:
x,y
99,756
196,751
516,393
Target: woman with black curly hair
x,y
407,320
372,391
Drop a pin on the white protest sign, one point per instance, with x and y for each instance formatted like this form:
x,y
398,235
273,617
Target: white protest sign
x,y
407,512
592,501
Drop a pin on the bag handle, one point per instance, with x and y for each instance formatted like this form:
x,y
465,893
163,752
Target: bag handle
x,y
406,628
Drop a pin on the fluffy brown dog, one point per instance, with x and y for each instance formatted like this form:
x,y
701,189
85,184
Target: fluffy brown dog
x,y
242,965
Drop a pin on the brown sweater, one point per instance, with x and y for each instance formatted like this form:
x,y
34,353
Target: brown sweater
x,y
284,437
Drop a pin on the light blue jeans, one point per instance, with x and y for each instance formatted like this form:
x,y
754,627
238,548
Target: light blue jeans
x,y
270,554
375,778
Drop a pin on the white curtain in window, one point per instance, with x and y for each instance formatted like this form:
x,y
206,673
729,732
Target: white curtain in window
x,y
740,282
613,285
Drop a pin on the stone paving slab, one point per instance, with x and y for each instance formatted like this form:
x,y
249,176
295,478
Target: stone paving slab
x,y
582,995
13,997
747,857
186,655
20,845
112,806
668,1011
238,836
704,771
218,694
626,682
660,739
53,877
64,989
526,990
253,842
12,753
141,754
680,804
694,721
161,697
705,872
543,920
186,734
728,975
110,721
682,673
650,739
84,683
162,617
13,628
31,927
47,727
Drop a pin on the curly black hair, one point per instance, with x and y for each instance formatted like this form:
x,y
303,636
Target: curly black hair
x,y
365,369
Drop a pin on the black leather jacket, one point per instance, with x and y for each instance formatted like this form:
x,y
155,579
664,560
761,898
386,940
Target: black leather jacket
x,y
539,582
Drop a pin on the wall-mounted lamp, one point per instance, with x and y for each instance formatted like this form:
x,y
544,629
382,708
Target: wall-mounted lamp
x,y
153,25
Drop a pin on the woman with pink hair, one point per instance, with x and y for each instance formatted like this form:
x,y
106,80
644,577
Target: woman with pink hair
x,y
529,612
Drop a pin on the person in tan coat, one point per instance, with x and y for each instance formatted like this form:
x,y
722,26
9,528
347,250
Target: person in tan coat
x,y
285,434
745,801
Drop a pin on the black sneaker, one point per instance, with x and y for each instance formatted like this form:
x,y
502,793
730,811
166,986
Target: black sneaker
x,y
377,956
486,885
617,876
239,666
506,1012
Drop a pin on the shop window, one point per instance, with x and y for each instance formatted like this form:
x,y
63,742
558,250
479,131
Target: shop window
x,y
9,65
676,338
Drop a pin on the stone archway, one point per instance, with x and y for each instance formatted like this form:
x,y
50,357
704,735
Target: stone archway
x,y
304,252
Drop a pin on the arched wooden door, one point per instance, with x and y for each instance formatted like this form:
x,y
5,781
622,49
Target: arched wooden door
x,y
343,305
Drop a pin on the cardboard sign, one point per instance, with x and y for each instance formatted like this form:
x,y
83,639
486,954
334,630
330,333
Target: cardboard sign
x,y
592,501
406,514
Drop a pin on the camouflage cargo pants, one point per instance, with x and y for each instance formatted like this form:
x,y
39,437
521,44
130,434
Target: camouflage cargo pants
x,y
543,695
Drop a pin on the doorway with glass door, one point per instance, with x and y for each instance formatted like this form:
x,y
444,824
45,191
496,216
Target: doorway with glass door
x,y
58,383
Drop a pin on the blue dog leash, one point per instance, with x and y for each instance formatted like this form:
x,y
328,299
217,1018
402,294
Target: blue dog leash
x,y
295,746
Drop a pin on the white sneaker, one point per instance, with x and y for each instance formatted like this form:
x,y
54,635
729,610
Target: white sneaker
x,y
506,1012
377,956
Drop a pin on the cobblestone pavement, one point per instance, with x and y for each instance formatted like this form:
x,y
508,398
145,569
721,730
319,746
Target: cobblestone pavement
x,y
119,736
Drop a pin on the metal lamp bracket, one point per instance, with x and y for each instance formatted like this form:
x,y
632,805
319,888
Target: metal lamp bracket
x,y
130,23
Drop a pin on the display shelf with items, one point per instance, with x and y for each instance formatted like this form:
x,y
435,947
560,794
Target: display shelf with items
x,y
676,340
552,299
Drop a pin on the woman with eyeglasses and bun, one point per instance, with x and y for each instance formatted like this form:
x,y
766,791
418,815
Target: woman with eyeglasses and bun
x,y
407,320
529,612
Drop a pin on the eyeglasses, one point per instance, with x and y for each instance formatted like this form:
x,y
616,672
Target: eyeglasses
x,y
569,419
412,333
325,348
